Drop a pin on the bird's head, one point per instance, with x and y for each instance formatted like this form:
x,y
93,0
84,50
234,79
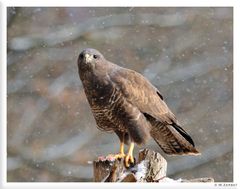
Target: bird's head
x,y
89,58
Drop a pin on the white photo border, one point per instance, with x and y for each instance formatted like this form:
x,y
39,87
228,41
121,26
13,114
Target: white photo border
x,y
123,3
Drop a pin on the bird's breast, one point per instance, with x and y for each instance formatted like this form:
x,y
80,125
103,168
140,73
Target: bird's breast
x,y
98,91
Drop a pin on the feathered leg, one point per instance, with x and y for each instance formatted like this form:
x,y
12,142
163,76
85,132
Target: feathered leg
x,y
122,139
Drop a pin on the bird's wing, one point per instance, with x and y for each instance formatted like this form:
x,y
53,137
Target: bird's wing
x,y
165,129
142,94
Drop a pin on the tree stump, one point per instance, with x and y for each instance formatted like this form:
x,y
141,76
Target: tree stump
x,y
156,165
150,167
107,170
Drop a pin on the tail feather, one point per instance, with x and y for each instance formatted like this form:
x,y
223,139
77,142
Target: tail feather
x,y
183,133
172,139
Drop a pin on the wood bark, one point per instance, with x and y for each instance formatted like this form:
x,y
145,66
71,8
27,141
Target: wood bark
x,y
150,167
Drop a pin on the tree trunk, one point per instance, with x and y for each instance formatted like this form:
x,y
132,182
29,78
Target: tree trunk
x,y
150,167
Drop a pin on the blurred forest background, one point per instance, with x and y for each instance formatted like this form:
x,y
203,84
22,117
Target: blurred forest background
x,y
187,53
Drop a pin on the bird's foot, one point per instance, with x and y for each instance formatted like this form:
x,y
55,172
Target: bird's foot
x,y
119,156
115,156
129,160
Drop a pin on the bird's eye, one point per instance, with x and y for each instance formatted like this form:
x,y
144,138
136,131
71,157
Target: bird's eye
x,y
81,56
95,56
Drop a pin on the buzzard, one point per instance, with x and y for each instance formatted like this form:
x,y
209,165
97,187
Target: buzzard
x,y
124,102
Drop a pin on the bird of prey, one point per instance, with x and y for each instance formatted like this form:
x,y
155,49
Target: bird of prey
x,y
124,102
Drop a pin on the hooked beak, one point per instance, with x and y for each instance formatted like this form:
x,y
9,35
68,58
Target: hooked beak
x,y
88,58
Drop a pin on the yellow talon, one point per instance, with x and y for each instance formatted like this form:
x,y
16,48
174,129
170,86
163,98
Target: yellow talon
x,y
120,155
129,157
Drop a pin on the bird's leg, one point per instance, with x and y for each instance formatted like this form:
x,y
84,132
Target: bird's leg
x,y
129,159
121,154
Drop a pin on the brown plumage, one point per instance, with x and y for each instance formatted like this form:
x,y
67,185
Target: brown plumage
x,y
125,102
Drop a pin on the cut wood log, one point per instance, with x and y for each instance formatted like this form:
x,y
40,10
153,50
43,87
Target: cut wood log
x,y
150,167
156,165
107,170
